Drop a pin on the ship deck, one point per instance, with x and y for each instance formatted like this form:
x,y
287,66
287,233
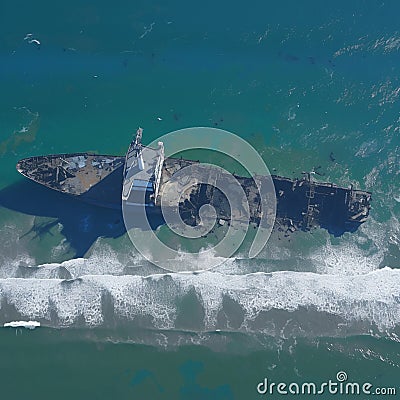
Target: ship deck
x,y
301,203
92,177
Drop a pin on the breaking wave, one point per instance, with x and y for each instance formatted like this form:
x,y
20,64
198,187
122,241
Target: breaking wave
x,y
279,303
331,287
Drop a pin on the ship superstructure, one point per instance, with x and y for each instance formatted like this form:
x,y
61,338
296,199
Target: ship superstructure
x,y
142,173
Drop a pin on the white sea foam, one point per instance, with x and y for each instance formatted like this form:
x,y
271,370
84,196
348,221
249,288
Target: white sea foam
x,y
354,254
347,285
372,298
384,44
345,259
351,254
22,324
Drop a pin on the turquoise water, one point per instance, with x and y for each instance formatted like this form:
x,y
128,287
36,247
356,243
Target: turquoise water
x,y
299,82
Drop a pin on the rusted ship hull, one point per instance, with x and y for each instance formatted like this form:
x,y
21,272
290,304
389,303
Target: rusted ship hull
x,y
301,203
93,178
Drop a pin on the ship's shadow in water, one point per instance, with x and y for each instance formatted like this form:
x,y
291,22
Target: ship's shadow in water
x,y
82,223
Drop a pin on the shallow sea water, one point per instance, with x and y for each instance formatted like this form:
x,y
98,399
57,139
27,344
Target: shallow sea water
x,y
299,82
